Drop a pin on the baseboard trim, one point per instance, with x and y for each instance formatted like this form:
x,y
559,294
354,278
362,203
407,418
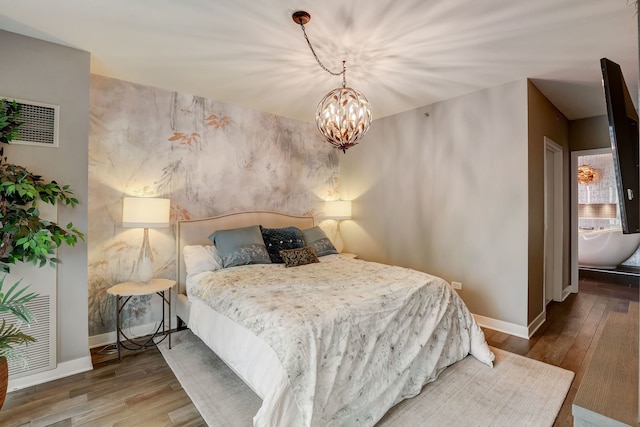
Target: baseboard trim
x,y
537,322
502,326
63,369
102,340
135,331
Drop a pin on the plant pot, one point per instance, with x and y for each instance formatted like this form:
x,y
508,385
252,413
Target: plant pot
x,y
4,379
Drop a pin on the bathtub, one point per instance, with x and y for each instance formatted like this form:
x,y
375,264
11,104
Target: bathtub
x,y
605,248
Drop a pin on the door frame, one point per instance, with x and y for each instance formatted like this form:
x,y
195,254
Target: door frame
x,y
574,210
557,217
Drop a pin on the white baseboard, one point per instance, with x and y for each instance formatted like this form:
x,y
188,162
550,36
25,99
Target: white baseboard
x,y
537,322
135,331
501,326
102,340
511,328
63,369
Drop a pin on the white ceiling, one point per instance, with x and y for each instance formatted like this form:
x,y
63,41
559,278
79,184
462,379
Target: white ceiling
x,y
401,54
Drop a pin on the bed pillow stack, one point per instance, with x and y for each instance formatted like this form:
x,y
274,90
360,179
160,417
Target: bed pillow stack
x,y
260,245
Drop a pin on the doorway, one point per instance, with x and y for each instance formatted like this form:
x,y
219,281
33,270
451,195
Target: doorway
x,y
575,155
553,227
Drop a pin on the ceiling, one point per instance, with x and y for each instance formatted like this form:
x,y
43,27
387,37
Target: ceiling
x,y
402,54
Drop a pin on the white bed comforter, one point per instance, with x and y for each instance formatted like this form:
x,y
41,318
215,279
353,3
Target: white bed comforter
x,y
353,337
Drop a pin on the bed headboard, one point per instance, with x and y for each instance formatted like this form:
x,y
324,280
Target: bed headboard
x,y
197,231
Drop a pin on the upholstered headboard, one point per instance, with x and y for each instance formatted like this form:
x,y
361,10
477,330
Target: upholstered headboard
x,y
197,231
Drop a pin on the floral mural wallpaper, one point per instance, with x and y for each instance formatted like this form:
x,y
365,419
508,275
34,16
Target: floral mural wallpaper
x,y
208,157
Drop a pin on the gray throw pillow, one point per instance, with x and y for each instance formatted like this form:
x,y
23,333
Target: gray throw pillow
x,y
317,239
240,246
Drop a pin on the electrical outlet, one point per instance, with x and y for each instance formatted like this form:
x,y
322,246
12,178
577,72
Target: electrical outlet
x,y
457,285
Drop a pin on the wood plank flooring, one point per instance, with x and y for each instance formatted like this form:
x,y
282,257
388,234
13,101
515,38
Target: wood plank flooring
x,y
569,336
139,391
142,391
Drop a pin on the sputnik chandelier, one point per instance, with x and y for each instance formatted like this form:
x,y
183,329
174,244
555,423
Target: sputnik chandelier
x,y
343,116
587,174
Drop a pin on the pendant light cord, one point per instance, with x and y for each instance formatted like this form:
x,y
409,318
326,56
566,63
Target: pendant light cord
x,y
344,68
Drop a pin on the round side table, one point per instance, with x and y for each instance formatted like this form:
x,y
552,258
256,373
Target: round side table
x,y
126,291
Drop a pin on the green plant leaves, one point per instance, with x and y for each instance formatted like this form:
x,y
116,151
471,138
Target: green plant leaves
x,y
9,123
14,301
24,235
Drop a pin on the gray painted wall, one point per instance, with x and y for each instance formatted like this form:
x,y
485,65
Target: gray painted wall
x,y
588,134
39,71
447,194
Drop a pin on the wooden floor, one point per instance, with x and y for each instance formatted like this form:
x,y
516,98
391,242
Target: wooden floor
x,y
569,336
139,391
142,391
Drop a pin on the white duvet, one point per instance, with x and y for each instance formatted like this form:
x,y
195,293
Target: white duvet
x,y
353,337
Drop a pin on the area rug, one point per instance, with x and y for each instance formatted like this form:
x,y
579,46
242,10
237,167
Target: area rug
x,y
517,391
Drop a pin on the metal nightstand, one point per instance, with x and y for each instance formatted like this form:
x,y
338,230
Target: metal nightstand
x,y
127,290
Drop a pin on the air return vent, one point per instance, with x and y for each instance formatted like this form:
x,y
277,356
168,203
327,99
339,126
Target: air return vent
x,y
40,355
40,124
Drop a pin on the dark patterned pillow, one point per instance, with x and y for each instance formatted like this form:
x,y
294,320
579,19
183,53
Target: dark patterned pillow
x,y
317,239
299,256
277,239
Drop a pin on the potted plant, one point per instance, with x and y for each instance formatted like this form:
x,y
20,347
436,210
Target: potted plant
x,y
24,236
13,301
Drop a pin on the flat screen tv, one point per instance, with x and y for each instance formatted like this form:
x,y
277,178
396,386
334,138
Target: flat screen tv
x,y
623,131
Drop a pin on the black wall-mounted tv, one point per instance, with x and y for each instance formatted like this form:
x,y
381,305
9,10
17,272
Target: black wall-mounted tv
x,y
623,131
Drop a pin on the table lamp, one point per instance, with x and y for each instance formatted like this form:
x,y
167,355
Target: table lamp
x,y
338,210
145,212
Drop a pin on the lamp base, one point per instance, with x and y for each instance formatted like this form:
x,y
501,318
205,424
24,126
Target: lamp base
x,y
144,266
338,238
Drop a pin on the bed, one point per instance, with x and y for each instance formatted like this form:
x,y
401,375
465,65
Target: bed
x,y
335,342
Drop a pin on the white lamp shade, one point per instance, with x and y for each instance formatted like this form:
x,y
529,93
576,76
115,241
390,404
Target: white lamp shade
x,y
145,212
338,209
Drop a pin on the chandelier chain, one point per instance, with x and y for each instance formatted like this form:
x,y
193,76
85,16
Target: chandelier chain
x,y
343,116
343,72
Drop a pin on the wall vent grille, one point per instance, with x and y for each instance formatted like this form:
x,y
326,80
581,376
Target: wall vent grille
x,y
38,355
40,124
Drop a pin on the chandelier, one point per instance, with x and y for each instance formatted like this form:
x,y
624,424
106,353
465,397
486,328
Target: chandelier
x,y
587,174
343,116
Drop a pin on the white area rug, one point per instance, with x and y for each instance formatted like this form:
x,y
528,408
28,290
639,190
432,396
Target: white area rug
x,y
516,392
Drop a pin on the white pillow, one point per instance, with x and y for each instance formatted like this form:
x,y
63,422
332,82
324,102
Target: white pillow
x,y
198,258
